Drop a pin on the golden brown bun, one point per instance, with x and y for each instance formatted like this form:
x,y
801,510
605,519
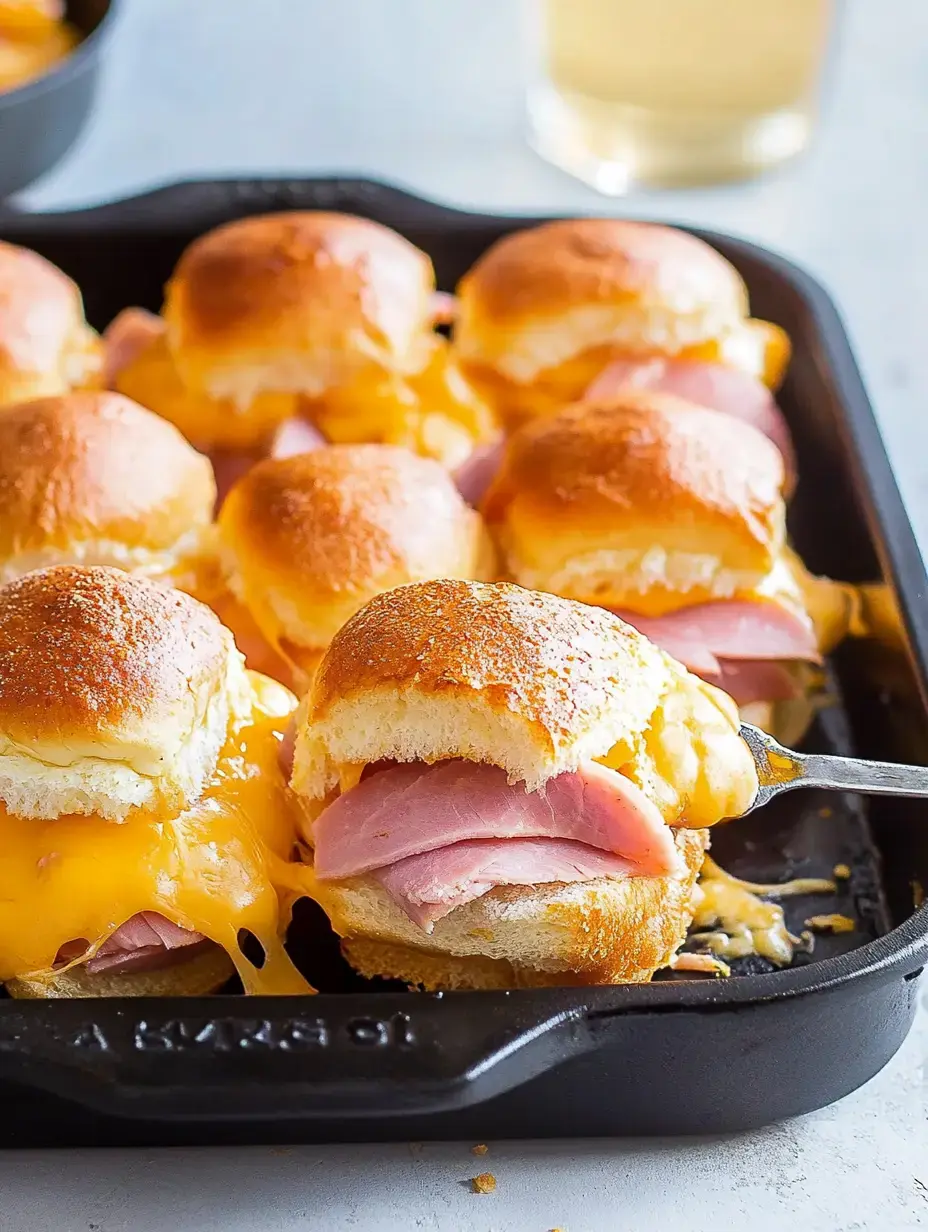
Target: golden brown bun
x,y
639,498
93,478
296,303
491,673
529,682
594,932
46,347
115,692
546,294
308,540
193,977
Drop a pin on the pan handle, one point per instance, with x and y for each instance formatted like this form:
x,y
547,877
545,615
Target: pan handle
x,y
221,1060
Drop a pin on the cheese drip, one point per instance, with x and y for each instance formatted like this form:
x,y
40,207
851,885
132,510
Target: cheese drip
x,y
215,868
743,922
433,411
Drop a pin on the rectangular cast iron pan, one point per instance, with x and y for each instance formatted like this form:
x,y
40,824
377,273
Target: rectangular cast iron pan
x,y
372,1061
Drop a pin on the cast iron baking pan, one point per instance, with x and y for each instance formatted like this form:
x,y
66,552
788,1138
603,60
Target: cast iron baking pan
x,y
40,121
369,1061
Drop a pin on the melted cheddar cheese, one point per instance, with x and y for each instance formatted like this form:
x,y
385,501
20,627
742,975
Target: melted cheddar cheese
x,y
152,379
742,919
433,412
691,761
215,868
758,348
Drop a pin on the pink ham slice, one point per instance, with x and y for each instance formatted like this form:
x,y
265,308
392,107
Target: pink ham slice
x,y
444,308
295,436
125,338
410,809
475,474
431,885
740,646
229,465
713,385
145,942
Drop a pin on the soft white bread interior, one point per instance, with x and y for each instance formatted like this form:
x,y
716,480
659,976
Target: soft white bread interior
x,y
116,693
594,932
92,478
308,540
529,682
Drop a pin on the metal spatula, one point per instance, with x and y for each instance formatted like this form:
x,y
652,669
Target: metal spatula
x,y
780,770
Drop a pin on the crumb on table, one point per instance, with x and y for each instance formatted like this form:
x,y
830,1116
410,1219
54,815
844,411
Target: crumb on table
x,y
841,872
484,1183
480,1149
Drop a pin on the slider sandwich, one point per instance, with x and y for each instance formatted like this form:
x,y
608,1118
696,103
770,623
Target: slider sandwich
x,y
306,541
550,310
144,818
502,788
672,516
94,479
46,346
315,315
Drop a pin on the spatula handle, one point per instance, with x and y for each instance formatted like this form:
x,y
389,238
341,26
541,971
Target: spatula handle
x,y
780,769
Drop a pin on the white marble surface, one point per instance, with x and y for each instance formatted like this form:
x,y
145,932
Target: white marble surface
x,y
427,94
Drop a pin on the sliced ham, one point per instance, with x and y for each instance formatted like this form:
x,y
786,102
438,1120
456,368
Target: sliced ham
x,y
145,942
444,308
431,885
754,680
409,809
713,385
743,647
125,338
295,436
476,472
229,465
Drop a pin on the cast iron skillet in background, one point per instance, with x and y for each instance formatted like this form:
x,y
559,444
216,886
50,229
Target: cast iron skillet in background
x,y
41,120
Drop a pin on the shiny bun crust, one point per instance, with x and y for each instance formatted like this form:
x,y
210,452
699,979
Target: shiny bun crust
x,y
594,932
541,296
635,494
93,478
492,673
296,303
308,540
190,977
46,346
115,693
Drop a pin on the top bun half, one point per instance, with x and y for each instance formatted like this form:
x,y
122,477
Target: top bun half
x,y
542,296
296,303
115,693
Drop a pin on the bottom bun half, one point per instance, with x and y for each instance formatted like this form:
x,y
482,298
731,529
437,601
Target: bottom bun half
x,y
191,977
595,932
